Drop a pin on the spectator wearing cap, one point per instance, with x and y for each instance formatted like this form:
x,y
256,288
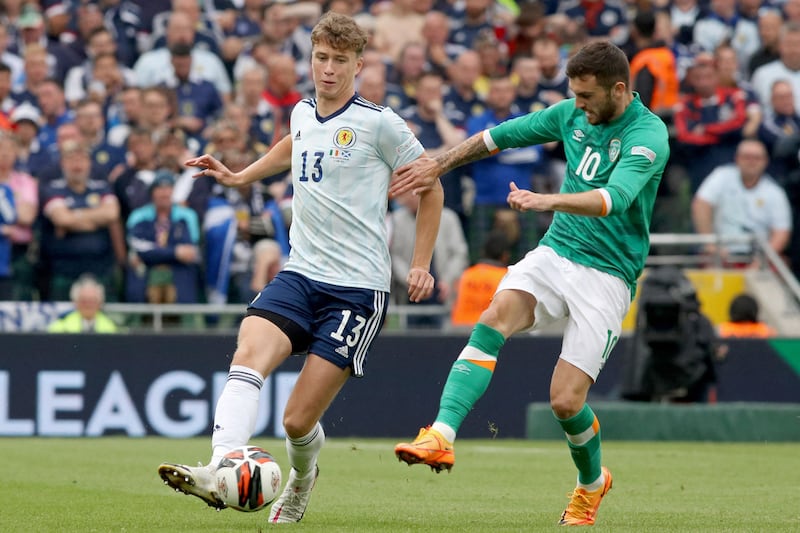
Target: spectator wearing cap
x,y
32,32
154,67
31,158
163,239
197,99
77,214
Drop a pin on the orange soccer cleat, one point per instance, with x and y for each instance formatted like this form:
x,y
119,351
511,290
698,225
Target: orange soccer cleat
x,y
583,505
429,448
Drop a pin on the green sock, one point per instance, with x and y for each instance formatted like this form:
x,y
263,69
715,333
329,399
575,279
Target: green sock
x,y
583,438
470,375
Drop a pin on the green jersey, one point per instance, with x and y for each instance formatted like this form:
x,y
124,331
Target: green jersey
x,y
625,158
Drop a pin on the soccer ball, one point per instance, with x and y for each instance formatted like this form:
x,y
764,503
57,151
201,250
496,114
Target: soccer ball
x,y
248,479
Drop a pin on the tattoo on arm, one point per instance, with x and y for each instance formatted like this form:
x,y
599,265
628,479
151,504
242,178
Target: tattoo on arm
x,y
468,151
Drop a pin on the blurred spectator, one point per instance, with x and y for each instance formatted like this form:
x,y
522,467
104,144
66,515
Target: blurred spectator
x,y
525,70
791,10
461,101
449,257
407,69
32,158
17,231
59,58
82,18
67,133
89,119
124,19
132,187
769,30
730,76
708,121
77,213
14,62
399,25
158,109
723,24
654,74
372,85
469,22
786,68
440,53
429,121
251,110
8,217
171,152
154,67
743,320
207,35
129,115
281,92
88,296
553,81
478,283
6,102
530,26
494,60
493,175
78,83
605,19
198,101
51,103
783,122
163,239
36,72
684,14
741,200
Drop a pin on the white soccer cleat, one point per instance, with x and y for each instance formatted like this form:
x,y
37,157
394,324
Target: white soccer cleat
x,y
292,503
195,480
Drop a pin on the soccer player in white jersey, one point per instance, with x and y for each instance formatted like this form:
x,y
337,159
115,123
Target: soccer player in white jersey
x,y
331,297
584,269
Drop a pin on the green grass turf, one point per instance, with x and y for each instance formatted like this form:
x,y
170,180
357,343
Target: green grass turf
x,y
110,484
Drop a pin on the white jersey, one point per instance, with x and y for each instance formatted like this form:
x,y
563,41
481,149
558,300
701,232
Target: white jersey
x,y
341,168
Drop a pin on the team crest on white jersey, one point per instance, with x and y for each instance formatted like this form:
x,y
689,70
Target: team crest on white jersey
x,y
613,149
344,137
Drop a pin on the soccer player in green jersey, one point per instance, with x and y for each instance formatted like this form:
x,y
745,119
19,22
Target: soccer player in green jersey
x,y
584,269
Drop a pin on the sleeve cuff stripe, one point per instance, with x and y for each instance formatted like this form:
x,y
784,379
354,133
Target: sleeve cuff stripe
x,y
606,202
489,142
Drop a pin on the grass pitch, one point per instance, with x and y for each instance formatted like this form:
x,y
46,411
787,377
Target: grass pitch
x,y
110,484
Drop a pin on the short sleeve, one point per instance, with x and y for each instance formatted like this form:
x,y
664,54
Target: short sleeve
x,y
396,144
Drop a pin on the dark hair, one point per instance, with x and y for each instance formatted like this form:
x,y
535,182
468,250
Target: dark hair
x,y
645,23
743,308
603,60
496,245
4,67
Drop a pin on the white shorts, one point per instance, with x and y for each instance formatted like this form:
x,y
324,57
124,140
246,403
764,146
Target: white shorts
x,y
594,302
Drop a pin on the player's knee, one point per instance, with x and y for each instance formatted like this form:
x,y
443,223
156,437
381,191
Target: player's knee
x,y
295,426
565,405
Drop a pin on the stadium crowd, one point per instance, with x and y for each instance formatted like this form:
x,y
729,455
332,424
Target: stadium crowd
x,y
101,102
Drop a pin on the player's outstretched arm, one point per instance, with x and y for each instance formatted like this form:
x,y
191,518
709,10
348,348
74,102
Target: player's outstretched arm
x,y
420,281
590,203
279,159
424,172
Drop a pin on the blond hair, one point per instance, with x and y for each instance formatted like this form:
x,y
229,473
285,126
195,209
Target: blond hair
x,y
340,32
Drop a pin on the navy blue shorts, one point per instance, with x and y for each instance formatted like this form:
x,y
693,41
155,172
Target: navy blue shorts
x,y
335,323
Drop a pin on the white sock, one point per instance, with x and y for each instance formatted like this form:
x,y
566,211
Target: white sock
x,y
235,415
303,451
446,431
596,484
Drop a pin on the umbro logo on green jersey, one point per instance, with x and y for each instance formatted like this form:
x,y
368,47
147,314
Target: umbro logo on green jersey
x,y
577,135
